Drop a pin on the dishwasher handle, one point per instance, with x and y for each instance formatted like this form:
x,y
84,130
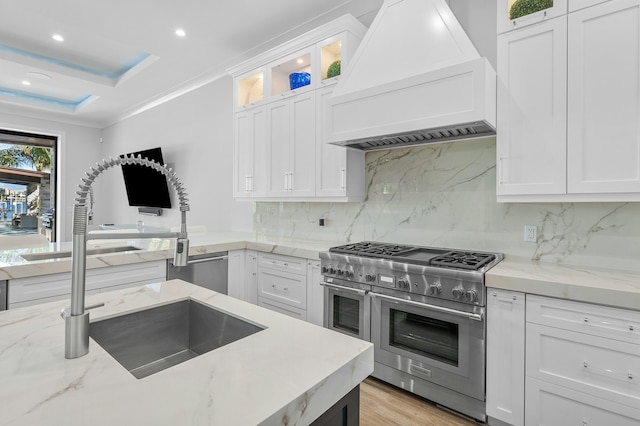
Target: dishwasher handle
x,y
207,259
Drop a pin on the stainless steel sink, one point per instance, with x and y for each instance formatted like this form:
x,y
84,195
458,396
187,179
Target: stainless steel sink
x,y
62,254
149,341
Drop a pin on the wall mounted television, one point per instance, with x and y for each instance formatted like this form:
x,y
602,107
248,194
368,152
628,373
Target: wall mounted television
x,y
146,187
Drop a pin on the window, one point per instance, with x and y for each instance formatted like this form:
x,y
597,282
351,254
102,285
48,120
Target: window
x,y
27,184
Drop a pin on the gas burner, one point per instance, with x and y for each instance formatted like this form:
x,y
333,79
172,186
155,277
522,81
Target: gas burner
x,y
386,250
372,249
463,260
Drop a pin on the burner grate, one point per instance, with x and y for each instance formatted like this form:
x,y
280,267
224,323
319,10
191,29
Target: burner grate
x,y
463,260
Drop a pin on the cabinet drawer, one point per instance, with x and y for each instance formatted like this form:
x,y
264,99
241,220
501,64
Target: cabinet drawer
x,y
295,265
282,308
55,286
602,321
552,405
604,368
290,289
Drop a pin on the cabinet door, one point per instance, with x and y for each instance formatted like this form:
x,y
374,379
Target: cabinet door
x,y
249,178
332,160
315,293
531,139
604,98
251,277
303,144
236,274
505,356
279,123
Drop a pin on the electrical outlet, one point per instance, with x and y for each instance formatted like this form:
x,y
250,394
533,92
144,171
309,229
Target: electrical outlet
x,y
531,233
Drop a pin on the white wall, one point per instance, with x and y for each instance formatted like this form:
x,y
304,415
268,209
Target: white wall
x,y
78,149
195,132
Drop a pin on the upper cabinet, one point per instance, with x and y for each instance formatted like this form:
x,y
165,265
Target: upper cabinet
x,y
516,14
569,105
280,150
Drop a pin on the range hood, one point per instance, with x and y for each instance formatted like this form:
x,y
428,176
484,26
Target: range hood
x,y
416,78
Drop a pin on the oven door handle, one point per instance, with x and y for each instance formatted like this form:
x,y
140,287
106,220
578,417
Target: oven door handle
x,y
475,317
347,289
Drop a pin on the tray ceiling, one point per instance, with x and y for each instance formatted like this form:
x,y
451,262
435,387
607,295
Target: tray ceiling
x,y
120,57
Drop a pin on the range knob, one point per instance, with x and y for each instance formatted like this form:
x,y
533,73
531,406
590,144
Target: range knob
x,y
457,292
332,271
340,272
435,289
370,277
348,274
471,296
325,269
404,284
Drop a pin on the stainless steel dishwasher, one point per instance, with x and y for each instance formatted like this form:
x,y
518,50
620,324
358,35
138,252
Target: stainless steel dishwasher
x,y
206,270
4,300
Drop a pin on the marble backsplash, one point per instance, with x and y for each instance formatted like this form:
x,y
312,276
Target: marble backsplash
x,y
445,195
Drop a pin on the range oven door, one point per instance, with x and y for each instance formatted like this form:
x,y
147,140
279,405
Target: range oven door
x,y
440,345
347,310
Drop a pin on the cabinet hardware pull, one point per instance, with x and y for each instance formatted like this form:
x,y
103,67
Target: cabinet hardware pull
x,y
345,289
342,178
469,315
620,375
630,327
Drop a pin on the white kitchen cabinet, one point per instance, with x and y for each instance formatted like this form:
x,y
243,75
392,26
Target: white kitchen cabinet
x,y
282,284
291,139
243,275
549,404
340,172
531,139
581,4
287,131
48,288
250,153
505,356
505,23
582,363
604,98
599,157
315,293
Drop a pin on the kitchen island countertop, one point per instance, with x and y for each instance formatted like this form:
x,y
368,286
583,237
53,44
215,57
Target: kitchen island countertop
x,y
289,373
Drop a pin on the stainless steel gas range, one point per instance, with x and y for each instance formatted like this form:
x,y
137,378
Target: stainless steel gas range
x,y
423,308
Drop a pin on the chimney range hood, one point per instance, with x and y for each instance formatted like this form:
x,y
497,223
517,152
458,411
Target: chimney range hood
x,y
416,78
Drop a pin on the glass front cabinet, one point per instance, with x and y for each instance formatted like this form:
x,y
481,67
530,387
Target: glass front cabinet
x,y
278,80
514,14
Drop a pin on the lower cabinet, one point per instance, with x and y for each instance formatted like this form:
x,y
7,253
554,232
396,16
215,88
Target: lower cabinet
x,y
505,356
579,362
243,275
286,284
52,287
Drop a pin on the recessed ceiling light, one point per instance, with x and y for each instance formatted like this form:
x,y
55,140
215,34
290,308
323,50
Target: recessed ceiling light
x,y
38,75
57,37
180,32
26,83
300,60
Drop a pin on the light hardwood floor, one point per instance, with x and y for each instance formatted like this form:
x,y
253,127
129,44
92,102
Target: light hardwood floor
x,y
384,405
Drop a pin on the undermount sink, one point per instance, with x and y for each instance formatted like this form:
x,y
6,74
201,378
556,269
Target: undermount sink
x,y
152,340
62,254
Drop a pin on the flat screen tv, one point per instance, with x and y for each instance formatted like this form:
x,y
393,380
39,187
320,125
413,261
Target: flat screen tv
x,y
146,187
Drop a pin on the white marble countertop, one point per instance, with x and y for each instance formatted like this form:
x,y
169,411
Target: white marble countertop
x,y
601,286
13,265
289,373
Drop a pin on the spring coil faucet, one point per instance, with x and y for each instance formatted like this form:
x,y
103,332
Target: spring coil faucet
x,y
75,316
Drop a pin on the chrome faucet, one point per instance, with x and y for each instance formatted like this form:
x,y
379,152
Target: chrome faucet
x,y
75,316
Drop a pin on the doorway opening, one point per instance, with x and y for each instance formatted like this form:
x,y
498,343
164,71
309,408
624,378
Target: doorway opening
x,y
28,165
